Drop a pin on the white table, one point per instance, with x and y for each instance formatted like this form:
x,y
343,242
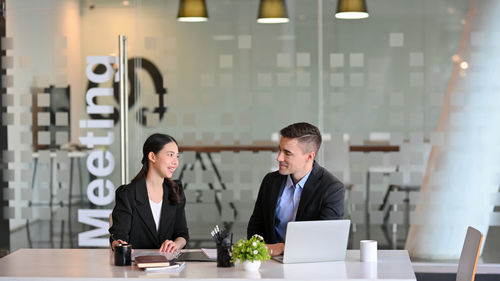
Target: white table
x,y
96,264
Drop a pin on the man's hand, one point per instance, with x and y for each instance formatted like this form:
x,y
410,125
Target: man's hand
x,y
275,249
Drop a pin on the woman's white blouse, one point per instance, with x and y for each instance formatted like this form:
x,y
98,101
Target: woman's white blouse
x,y
156,210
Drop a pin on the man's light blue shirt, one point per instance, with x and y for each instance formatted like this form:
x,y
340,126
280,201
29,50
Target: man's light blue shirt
x,y
286,208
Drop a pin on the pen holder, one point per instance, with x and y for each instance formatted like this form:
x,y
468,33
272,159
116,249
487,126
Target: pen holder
x,y
224,255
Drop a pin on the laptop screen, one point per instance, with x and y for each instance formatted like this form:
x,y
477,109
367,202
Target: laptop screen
x,y
315,241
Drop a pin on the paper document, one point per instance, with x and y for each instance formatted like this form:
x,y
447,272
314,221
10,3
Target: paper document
x,y
210,253
173,268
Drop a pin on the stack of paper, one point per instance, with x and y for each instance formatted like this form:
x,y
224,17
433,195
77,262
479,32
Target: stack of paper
x,y
210,253
176,267
156,263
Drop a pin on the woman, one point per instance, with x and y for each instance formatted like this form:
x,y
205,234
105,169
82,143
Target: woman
x,y
149,212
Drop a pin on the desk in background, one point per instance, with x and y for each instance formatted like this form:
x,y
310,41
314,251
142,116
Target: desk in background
x,y
96,264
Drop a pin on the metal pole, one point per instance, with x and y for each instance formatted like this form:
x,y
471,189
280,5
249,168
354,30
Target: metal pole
x,y
321,105
122,71
4,146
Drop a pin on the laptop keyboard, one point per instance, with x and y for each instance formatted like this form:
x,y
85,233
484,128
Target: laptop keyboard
x,y
278,258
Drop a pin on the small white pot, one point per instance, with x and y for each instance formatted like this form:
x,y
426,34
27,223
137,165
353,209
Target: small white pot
x,y
251,266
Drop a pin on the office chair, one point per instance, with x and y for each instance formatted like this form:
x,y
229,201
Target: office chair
x,y
3,252
470,254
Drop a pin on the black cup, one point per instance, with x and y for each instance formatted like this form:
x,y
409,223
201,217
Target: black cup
x,y
123,253
224,255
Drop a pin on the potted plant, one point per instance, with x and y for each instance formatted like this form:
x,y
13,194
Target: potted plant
x,y
250,252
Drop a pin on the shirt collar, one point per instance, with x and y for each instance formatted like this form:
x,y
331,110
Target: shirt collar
x,y
300,184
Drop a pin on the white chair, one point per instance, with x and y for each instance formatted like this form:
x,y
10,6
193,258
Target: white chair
x,y
470,254
374,172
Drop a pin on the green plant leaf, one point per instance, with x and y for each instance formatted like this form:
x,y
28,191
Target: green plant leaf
x,y
252,249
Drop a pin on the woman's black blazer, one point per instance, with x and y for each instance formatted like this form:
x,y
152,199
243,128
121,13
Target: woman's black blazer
x,y
133,220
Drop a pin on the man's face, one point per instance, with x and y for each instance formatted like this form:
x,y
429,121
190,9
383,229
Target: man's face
x,y
292,159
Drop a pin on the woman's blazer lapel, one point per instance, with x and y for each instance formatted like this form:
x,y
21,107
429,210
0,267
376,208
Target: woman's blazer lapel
x,y
144,209
167,217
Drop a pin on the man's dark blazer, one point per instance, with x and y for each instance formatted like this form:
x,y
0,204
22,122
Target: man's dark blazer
x,y
133,220
322,198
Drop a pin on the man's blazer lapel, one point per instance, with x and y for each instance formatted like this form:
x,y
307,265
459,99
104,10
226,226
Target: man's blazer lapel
x,y
276,188
143,208
308,190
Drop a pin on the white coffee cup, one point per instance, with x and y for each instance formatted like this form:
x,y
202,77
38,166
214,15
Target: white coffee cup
x,y
368,250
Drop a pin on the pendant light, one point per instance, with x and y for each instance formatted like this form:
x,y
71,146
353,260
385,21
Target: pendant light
x,y
272,11
351,9
192,11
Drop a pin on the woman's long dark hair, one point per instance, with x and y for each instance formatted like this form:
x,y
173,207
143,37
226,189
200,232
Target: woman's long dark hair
x,y
155,143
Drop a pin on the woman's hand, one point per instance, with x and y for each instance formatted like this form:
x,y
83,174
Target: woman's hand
x,y
169,246
275,249
117,242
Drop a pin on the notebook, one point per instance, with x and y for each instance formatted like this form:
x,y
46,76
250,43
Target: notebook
x,y
328,237
152,261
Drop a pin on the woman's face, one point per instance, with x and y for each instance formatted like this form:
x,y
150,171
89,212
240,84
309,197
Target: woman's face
x,y
166,160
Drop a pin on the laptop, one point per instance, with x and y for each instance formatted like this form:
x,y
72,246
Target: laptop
x,y
328,237
193,255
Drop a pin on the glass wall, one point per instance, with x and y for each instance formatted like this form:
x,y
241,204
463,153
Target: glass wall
x,y
223,88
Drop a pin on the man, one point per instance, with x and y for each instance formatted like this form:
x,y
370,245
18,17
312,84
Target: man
x,y
301,190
